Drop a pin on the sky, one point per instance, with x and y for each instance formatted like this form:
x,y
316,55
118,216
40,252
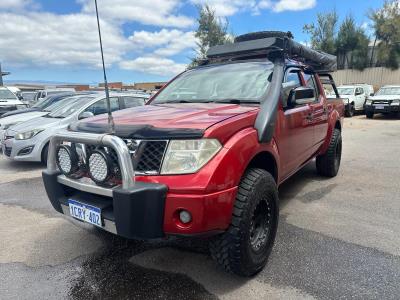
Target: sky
x,y
144,40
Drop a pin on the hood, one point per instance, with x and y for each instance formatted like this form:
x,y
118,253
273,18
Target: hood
x,y
165,120
35,123
19,111
385,97
15,119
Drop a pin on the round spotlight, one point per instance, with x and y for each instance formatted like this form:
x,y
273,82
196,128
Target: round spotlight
x,y
67,160
185,217
99,166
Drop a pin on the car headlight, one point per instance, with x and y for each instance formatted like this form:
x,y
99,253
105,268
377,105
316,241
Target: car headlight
x,y
396,102
28,134
189,156
368,102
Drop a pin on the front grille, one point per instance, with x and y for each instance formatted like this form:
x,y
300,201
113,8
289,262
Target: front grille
x,y
381,102
7,151
148,157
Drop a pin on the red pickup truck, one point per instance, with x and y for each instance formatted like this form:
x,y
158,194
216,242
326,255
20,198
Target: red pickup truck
x,y
206,156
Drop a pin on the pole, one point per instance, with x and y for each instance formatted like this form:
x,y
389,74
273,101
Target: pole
x,y
110,117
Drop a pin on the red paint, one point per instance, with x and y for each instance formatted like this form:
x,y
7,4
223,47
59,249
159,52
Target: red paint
x,y
210,193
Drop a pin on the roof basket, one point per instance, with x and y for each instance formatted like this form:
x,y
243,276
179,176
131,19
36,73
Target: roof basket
x,y
271,43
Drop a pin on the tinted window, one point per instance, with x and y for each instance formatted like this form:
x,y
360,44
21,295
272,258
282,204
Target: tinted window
x,y
291,81
133,101
100,107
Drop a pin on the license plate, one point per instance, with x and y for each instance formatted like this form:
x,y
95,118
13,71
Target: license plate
x,y
379,106
84,212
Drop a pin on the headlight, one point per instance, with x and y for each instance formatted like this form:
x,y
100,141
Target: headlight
x,y
368,102
28,134
396,102
188,156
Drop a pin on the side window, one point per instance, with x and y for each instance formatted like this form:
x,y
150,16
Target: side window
x,y
132,101
100,107
292,80
312,83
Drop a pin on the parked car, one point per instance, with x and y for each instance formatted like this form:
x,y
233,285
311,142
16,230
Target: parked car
x,y
205,157
29,97
41,105
386,100
29,141
48,92
354,98
9,101
56,102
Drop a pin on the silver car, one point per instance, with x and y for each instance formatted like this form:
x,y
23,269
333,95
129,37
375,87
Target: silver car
x,y
28,141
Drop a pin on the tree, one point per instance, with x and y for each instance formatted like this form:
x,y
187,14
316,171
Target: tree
x,y
323,32
352,45
386,24
211,31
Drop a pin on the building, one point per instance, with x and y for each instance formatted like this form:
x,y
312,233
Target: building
x,y
148,86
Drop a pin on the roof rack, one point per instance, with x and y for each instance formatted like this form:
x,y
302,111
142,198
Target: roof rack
x,y
275,44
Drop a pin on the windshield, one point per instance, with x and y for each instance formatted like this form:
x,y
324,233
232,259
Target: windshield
x,y
389,91
345,91
6,94
239,81
28,96
69,106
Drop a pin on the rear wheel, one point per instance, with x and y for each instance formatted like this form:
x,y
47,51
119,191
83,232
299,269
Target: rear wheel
x,y
350,111
328,163
245,247
369,114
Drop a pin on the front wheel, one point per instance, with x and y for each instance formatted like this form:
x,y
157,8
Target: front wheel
x,y
350,111
328,163
246,245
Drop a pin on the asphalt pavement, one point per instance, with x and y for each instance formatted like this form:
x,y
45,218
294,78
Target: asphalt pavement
x,y
337,238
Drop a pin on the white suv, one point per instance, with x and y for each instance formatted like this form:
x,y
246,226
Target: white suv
x,y
354,97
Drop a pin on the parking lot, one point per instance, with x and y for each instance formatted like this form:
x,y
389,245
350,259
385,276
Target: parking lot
x,y
337,238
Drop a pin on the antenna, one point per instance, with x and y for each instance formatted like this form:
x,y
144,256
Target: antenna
x,y
110,117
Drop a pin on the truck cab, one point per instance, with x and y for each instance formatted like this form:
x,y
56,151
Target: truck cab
x,y
205,156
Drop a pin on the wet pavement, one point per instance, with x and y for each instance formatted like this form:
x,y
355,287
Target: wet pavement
x,y
337,239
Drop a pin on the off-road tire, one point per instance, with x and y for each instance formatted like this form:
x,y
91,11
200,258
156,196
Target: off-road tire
x,y
233,250
328,163
350,112
262,35
369,114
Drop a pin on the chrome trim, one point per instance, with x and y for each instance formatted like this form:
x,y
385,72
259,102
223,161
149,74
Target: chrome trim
x,y
85,185
108,225
107,140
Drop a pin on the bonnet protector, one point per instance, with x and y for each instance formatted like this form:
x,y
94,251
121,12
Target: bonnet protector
x,y
266,118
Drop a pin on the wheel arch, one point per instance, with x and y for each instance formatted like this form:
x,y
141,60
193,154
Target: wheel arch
x,y
265,160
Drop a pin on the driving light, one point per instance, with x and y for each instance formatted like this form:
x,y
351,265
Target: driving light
x,y
28,134
188,156
396,102
99,166
67,160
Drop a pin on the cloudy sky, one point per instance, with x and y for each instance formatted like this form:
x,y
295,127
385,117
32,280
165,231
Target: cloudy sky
x,y
144,40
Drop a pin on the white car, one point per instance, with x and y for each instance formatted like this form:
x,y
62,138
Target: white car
x,y
386,101
9,101
354,97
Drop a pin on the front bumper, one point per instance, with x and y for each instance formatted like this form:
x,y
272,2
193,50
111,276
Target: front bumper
x,y
22,150
385,108
137,212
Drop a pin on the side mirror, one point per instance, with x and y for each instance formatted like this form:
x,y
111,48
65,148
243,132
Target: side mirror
x,y
301,95
358,93
85,114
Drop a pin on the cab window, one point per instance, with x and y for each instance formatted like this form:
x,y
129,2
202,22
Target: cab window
x,y
100,107
312,83
292,80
